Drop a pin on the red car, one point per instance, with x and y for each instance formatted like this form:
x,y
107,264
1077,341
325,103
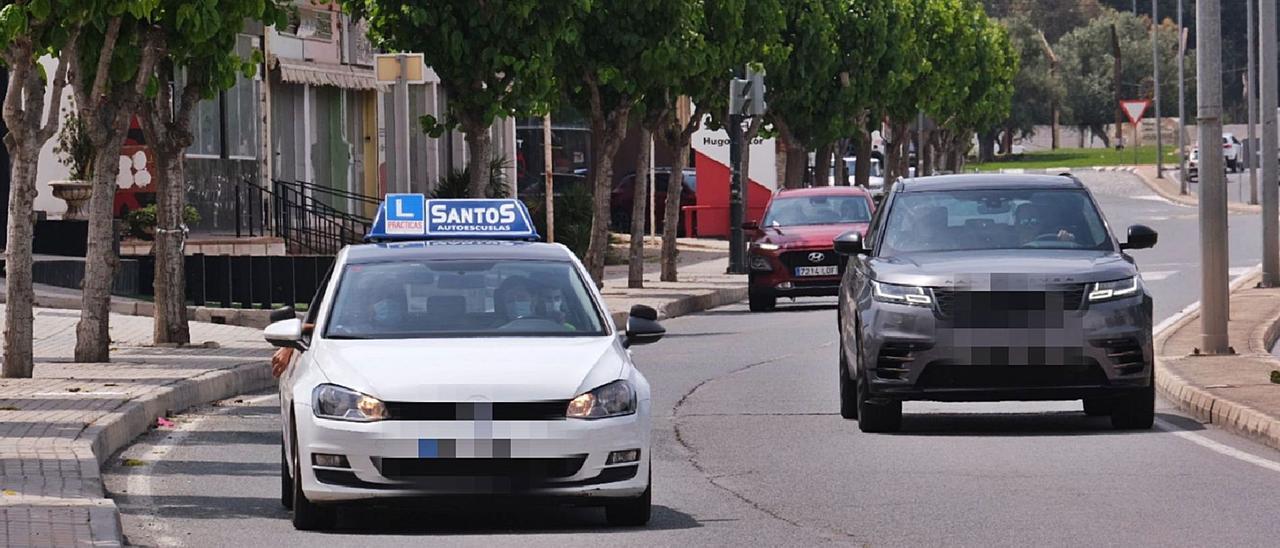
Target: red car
x,y
791,253
624,195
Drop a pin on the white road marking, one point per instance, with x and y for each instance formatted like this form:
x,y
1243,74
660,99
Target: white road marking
x,y
1217,447
1149,197
1157,275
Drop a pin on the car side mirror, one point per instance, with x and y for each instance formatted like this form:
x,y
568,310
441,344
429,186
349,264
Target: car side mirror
x,y
285,334
643,326
1140,237
850,243
751,225
283,313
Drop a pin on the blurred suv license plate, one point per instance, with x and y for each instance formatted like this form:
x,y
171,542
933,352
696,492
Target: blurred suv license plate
x,y
817,270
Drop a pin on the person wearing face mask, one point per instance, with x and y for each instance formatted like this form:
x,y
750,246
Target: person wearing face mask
x,y
514,299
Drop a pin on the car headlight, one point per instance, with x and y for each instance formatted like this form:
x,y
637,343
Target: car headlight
x,y
331,401
611,400
1102,291
765,246
759,262
901,294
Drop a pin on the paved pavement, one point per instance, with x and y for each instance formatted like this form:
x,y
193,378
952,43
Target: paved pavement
x,y
56,428
749,450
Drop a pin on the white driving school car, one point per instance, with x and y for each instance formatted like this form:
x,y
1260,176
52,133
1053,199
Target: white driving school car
x,y
457,356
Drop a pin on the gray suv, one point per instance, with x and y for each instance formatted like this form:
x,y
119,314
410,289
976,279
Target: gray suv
x,y
989,288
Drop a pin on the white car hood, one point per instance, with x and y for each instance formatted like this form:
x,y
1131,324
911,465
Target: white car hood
x,y
474,369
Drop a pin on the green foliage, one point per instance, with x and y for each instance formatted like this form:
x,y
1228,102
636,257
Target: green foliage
x,y
1035,89
74,148
141,223
455,183
494,58
573,217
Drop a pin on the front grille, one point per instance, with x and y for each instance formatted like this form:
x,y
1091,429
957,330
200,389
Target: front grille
x,y
1006,309
469,411
526,469
943,375
793,259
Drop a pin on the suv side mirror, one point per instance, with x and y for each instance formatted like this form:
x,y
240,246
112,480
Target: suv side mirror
x,y
850,243
751,225
285,334
1140,237
643,326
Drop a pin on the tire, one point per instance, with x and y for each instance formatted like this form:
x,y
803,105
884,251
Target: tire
x,y
759,301
286,480
1098,407
1136,411
633,512
848,389
876,417
307,515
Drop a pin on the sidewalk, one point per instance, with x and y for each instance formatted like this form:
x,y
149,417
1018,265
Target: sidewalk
x,y
1170,189
1233,391
58,428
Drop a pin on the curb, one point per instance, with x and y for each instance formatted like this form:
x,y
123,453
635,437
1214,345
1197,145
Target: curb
x,y
1189,199
135,417
1199,402
690,304
256,318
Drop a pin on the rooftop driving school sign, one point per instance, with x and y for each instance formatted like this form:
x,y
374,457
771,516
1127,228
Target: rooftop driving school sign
x,y
413,217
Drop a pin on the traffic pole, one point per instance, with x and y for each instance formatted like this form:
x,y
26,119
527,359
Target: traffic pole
x,y
1155,65
1213,195
401,127
549,173
1251,97
737,244
1270,166
1182,103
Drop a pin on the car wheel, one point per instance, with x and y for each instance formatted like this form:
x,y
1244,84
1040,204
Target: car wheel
x,y
848,390
758,301
286,480
876,417
1136,411
307,515
632,512
1098,407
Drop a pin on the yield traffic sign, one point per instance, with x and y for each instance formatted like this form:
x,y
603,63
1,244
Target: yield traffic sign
x,y
1134,108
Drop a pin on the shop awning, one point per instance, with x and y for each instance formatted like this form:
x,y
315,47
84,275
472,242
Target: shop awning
x,y
297,71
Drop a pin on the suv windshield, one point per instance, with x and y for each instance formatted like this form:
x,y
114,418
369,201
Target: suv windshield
x,y
993,219
817,210
452,298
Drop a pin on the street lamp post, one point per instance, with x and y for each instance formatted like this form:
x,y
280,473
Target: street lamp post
x,y
1270,168
1182,103
1213,195
1251,97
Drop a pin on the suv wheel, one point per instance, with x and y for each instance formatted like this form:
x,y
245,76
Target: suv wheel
x,y
876,417
759,301
1136,411
848,389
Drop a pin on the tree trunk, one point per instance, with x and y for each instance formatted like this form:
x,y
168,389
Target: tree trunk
x,y
170,282
1100,132
986,147
671,217
924,151
611,129
93,338
822,166
862,167
19,360
841,168
639,212
1007,144
478,148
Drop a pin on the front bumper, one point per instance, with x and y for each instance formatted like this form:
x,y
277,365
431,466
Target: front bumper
x,y
557,458
1102,350
781,279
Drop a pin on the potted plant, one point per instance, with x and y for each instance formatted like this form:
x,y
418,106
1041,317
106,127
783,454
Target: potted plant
x,y
141,223
74,151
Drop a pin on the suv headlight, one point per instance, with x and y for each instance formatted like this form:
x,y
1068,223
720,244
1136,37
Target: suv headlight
x,y
611,400
330,401
901,294
1102,291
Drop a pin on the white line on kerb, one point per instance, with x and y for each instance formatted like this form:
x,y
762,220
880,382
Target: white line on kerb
x,y
1198,439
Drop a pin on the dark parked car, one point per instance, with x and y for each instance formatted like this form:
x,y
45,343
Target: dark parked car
x,y
624,196
993,287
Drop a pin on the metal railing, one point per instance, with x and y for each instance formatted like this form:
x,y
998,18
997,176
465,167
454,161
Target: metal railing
x,y
294,212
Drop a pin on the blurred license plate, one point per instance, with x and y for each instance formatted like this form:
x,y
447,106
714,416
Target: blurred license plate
x,y
817,270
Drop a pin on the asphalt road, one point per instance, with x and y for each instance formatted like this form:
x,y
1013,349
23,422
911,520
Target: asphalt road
x,y
749,450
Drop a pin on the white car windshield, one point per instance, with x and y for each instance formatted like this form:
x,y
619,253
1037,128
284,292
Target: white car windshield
x,y
457,298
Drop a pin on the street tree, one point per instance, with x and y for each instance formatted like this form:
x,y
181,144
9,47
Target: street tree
x,y
110,73
612,54
494,59
29,30
993,63
1036,90
904,68
195,45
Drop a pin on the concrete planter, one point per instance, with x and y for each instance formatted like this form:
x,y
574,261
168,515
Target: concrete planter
x,y
76,194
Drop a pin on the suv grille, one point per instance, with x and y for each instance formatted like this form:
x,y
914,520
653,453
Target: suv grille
x,y
944,375
1001,309
801,258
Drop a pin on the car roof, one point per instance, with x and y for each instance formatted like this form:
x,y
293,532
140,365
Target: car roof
x,y
823,191
985,181
456,249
